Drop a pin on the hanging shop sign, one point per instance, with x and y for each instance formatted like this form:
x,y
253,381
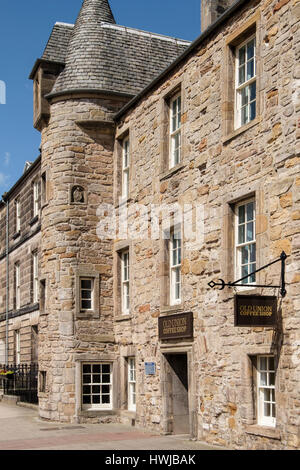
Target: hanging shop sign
x,y
150,368
255,310
176,326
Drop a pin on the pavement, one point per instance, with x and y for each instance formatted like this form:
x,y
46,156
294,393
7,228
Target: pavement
x,y
22,429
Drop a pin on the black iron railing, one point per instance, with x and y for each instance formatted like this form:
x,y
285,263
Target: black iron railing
x,y
20,380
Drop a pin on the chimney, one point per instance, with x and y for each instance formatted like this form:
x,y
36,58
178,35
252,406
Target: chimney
x,y
211,10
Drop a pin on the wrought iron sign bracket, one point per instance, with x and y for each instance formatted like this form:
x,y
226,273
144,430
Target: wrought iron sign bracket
x,y
282,258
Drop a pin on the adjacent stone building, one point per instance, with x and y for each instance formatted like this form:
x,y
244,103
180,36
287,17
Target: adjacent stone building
x,y
164,166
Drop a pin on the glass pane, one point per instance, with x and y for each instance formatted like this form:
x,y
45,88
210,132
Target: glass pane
x,y
263,378
86,368
241,214
263,363
105,388
241,233
250,211
96,379
106,368
250,49
252,91
241,75
245,251
96,388
96,368
252,253
267,395
105,399
252,110
250,69
96,399
250,231
179,255
273,411
242,55
244,273
86,400
86,284
177,275
271,379
174,124
244,118
252,268
244,95
86,294
177,291
267,409
271,363
86,304
106,378
86,379
86,389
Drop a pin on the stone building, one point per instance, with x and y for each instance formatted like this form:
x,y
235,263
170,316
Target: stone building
x,y
164,166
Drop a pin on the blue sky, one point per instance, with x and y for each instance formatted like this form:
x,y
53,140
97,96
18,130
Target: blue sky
x,y
25,27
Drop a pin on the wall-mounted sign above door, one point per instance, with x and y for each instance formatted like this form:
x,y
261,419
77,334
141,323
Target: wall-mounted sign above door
x,y
176,326
255,310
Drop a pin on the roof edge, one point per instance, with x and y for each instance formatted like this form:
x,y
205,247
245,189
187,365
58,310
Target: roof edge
x,y
38,62
90,91
32,167
182,56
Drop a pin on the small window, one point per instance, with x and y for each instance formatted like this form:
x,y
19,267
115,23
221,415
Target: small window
x,y
125,286
17,286
44,188
35,277
17,215
34,344
86,294
245,82
266,391
97,386
125,167
175,131
175,266
131,384
36,192
245,251
17,354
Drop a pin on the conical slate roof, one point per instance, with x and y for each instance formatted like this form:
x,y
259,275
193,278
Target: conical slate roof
x,y
103,56
84,50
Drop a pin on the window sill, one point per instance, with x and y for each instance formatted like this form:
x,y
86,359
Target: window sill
x,y
264,431
16,235
87,315
119,318
167,174
240,130
123,201
171,308
34,220
94,413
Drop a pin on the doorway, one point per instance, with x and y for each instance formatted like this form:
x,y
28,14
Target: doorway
x,y
177,393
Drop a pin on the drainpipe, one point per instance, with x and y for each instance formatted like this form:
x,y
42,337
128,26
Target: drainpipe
x,y
7,282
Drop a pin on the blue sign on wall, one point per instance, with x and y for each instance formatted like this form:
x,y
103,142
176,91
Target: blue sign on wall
x,y
150,368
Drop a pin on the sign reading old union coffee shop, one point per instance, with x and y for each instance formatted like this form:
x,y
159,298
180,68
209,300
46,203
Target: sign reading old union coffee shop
x,y
176,326
255,310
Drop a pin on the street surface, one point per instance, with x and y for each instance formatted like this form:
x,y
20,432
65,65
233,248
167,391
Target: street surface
x,y
22,429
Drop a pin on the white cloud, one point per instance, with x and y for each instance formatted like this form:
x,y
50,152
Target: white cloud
x,y
7,158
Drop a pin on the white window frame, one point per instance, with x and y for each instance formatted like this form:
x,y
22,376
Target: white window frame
x,y
18,215
244,85
262,386
81,298
17,346
175,248
35,275
175,130
17,286
92,383
36,194
131,384
125,282
125,167
239,246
